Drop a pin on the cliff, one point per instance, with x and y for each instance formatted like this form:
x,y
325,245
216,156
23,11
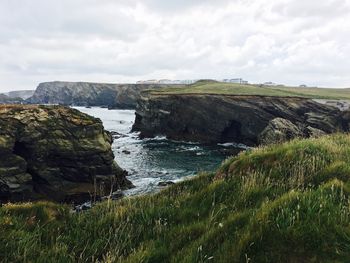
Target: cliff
x,y
55,153
123,96
247,119
23,94
4,99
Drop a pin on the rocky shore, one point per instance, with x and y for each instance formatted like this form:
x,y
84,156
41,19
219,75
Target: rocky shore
x,y
251,120
55,153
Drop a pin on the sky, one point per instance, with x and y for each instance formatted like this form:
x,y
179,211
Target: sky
x,y
291,42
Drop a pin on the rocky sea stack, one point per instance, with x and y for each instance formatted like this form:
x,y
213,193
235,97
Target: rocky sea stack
x,y
55,153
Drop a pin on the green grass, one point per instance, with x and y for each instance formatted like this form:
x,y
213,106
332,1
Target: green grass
x,y
210,87
278,203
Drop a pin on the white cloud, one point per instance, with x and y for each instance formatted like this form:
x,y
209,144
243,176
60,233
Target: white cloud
x,y
285,41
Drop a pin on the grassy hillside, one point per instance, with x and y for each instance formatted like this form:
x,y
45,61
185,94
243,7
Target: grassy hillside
x,y
279,203
212,87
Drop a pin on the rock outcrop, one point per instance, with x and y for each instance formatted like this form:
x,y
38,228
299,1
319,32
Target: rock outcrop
x,y
122,96
251,120
280,130
4,99
55,153
23,94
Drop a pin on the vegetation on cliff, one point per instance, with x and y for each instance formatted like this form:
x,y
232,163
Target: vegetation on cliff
x,y
251,120
55,153
212,87
120,96
280,203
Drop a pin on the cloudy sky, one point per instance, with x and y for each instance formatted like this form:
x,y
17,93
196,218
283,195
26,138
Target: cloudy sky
x,y
285,41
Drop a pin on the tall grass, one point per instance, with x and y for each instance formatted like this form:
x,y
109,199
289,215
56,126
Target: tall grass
x,y
280,203
210,87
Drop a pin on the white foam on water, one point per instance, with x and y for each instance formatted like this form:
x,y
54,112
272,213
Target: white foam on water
x,y
153,160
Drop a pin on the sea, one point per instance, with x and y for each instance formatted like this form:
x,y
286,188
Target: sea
x,y
152,161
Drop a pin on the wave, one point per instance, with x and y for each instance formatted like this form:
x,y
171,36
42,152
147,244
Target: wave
x,y
157,138
236,145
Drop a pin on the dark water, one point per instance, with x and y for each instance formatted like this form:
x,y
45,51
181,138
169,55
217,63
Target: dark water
x,y
150,161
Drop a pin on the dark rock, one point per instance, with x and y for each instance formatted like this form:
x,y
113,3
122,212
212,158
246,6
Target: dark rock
x,y
314,132
231,151
4,99
165,183
250,120
117,135
23,94
126,152
114,196
89,204
279,130
83,207
55,153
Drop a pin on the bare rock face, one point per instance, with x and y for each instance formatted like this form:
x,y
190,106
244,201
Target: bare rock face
x,y
5,99
23,94
251,120
55,153
279,130
121,96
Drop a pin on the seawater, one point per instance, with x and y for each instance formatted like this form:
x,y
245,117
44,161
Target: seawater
x,y
150,161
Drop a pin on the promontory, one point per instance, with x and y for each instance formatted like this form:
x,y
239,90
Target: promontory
x,y
119,96
55,153
213,112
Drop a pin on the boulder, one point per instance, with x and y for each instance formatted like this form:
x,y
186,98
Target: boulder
x,y
280,130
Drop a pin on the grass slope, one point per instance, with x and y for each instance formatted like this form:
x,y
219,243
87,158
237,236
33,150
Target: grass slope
x,y
279,203
212,87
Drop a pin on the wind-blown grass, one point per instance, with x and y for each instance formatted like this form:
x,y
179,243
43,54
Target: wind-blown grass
x,y
279,203
220,88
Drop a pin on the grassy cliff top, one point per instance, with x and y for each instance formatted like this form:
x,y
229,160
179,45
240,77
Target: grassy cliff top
x,y
280,203
50,113
213,87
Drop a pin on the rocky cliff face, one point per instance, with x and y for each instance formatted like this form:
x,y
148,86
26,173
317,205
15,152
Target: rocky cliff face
x,y
123,96
4,99
250,120
23,94
55,153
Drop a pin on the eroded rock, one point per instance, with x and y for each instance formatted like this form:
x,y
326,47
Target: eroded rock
x,y
250,120
280,130
111,96
55,153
